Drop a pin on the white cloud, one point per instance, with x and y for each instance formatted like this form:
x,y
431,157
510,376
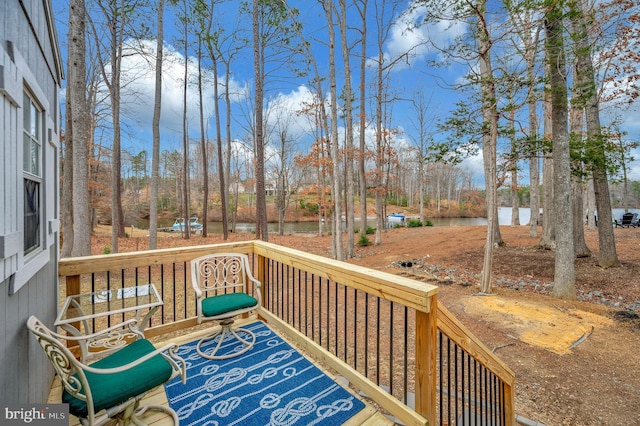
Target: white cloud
x,y
474,166
411,36
286,108
138,91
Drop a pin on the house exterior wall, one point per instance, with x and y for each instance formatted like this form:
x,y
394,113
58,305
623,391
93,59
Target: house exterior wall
x,y
25,372
29,63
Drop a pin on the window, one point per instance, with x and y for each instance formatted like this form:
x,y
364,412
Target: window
x,y
32,172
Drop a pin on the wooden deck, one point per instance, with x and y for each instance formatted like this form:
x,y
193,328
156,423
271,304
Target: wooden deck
x,y
369,416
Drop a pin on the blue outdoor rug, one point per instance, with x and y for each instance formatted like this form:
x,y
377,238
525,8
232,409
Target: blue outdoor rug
x,y
271,384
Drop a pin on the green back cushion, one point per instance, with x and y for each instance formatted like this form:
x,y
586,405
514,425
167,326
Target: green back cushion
x,y
218,305
109,390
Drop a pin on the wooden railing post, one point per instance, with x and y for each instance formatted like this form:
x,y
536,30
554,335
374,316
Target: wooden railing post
x,y
73,288
426,335
72,285
261,275
509,405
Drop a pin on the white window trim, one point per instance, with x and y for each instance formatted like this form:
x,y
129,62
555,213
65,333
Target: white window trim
x,y
39,175
28,270
16,78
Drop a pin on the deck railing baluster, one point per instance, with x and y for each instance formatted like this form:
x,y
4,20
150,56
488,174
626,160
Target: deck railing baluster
x,y
356,324
391,345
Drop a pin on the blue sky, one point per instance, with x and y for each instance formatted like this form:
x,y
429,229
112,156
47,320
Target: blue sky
x,y
414,73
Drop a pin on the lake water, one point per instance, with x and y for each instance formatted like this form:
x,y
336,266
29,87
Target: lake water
x,y
504,218
312,227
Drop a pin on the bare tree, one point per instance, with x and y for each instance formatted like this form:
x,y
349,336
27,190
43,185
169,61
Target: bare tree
x,y
155,154
273,30
333,138
185,16
203,146
227,58
117,16
258,65
386,15
362,151
283,161
348,120
213,40
422,124
489,137
513,170
528,27
478,54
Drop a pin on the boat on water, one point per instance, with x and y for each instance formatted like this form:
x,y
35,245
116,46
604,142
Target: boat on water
x,y
395,219
179,224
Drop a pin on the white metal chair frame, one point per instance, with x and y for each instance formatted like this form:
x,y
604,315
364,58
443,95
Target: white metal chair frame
x,y
223,274
72,371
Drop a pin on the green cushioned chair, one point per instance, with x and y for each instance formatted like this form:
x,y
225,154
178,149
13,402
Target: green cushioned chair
x,y
112,387
221,283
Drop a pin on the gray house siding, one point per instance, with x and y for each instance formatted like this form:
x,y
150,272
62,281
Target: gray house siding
x,y
26,374
29,63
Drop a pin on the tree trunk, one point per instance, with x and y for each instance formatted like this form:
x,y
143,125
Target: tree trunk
x,y
222,175
528,27
530,39
81,126
116,15
227,163
281,187
497,235
261,207
489,142
349,147
116,181
334,149
547,239
534,190
564,273
186,199
203,141
596,155
379,154
580,245
515,200
591,204
362,174
155,155
117,215
66,201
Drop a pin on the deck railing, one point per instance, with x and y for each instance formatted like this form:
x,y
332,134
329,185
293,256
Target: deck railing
x,y
385,333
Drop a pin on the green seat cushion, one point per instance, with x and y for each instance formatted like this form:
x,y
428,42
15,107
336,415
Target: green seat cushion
x,y
109,390
224,303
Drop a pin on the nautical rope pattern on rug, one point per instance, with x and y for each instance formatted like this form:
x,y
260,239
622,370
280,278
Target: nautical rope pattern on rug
x,y
271,384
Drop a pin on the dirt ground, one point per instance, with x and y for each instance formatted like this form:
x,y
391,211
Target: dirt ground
x,y
576,363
